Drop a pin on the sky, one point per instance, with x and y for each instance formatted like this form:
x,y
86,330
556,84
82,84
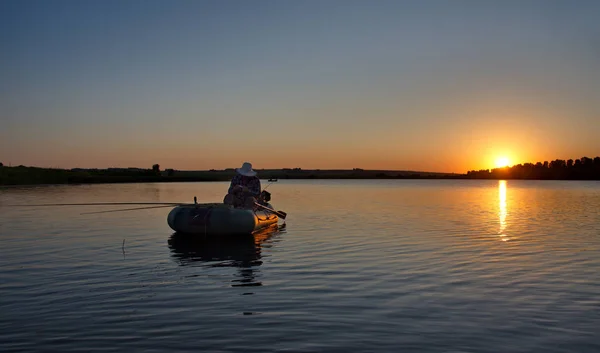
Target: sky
x,y
442,86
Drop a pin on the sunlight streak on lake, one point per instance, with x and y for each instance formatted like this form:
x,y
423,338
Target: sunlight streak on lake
x,y
502,209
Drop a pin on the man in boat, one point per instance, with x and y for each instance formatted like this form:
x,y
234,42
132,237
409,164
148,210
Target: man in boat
x,y
244,190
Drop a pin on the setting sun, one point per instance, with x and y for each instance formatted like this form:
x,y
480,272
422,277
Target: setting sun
x,y
502,162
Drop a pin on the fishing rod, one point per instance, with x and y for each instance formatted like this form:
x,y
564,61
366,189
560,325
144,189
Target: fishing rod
x,y
127,209
100,204
148,205
266,187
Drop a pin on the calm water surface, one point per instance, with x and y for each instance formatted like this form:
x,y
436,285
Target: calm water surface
x,y
361,266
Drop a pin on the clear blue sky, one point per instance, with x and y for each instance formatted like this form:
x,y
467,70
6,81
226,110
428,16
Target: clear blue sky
x,y
421,85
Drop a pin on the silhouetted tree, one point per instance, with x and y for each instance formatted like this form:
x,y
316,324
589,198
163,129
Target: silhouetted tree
x,y
156,169
1,165
558,164
170,172
584,168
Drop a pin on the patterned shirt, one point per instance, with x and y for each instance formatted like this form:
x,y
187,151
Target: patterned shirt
x,y
252,183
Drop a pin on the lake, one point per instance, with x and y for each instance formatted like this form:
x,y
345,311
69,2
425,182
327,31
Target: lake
x,y
360,266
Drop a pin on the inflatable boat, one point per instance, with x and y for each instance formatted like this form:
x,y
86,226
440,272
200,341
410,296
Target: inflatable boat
x,y
219,219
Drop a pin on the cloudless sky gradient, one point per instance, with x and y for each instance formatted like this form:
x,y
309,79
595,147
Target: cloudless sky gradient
x,y
406,85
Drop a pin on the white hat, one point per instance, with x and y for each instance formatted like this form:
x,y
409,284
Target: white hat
x,y
246,170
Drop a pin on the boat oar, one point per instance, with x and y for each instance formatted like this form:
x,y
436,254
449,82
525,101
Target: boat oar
x,y
280,214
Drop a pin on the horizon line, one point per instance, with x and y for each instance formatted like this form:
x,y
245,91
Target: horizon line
x,y
233,169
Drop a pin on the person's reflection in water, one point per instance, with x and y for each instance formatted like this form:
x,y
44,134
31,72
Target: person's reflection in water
x,y
242,252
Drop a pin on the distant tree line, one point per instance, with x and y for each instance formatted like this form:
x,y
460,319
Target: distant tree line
x,y
584,168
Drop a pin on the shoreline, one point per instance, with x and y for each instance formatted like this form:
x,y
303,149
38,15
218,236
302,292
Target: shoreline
x,y
31,176
265,180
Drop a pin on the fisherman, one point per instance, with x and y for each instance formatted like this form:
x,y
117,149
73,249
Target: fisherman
x,y
244,190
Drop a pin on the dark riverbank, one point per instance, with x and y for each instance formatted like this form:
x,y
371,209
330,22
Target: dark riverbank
x,y
580,169
32,175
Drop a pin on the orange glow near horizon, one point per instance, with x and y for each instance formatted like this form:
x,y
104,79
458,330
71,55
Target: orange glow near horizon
x,y
460,157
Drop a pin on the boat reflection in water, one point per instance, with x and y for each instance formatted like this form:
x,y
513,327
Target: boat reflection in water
x,y
243,253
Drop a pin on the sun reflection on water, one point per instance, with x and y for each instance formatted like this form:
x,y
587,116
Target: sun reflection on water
x,y
502,209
